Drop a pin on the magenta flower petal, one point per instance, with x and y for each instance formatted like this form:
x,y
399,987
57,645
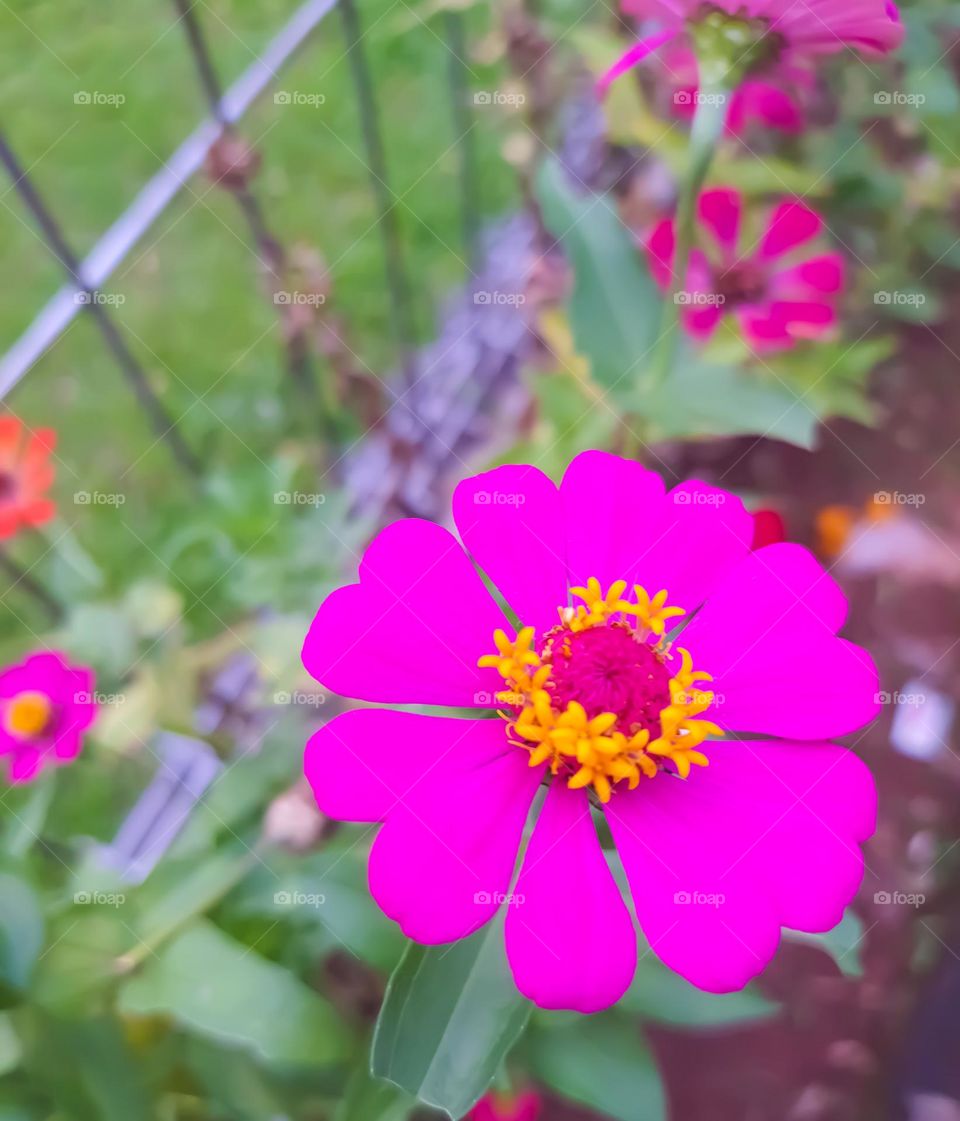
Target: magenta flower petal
x,y
764,331
703,312
702,533
787,674
767,103
608,504
364,762
768,839
631,58
442,863
719,212
570,938
680,867
25,765
823,274
661,246
412,629
791,225
509,520
809,858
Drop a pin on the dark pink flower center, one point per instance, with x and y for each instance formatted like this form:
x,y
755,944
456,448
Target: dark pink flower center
x,y
742,283
607,669
8,486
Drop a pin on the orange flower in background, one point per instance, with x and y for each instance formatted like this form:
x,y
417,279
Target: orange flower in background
x,y
26,474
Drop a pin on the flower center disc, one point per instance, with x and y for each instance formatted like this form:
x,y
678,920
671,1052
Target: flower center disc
x,y
607,669
27,715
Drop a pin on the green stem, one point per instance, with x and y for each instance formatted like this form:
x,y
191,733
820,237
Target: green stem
x,y
32,816
705,134
59,540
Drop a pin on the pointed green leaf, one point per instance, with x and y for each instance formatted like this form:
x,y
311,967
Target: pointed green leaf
x,y
659,994
615,306
600,1061
219,988
450,1016
21,936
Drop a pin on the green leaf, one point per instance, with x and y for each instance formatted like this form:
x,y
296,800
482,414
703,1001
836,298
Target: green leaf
x,y
76,973
11,1050
88,1068
189,889
615,306
369,1099
600,1061
232,1081
450,1016
326,892
219,988
28,814
705,398
21,936
842,943
659,994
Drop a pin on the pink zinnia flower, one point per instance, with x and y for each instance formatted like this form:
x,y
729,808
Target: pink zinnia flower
x,y
45,707
593,701
507,1107
777,295
763,34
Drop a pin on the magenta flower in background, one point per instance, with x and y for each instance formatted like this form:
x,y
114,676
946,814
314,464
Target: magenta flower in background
x,y
765,34
495,1106
774,100
777,294
45,707
593,700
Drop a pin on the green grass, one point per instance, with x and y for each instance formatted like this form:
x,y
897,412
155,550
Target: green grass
x,y
194,309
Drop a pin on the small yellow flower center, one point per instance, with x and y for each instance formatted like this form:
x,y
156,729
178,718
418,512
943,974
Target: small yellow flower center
x,y
27,715
595,697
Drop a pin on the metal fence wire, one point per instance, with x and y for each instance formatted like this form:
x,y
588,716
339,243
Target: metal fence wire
x,y
448,398
216,144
